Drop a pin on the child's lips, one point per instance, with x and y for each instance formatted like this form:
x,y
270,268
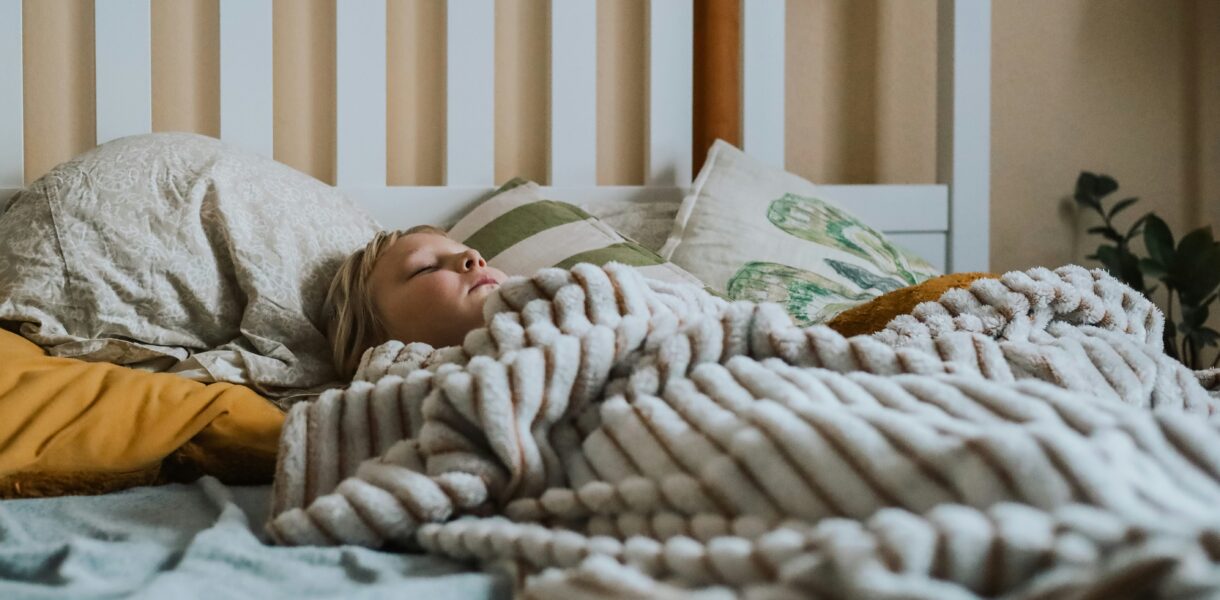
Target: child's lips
x,y
485,280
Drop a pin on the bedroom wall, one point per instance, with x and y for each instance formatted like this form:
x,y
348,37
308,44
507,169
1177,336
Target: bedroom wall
x,y
1111,86
1127,87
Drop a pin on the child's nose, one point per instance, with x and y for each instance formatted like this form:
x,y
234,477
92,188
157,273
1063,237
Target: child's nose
x,y
473,259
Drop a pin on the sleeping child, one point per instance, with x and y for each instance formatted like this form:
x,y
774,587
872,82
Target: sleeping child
x,y
416,285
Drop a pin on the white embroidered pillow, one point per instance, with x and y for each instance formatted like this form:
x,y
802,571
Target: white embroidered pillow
x,y
754,232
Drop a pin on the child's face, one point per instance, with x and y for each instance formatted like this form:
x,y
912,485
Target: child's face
x,y
429,288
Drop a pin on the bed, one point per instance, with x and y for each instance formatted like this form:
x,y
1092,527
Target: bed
x,y
199,540
206,538
946,222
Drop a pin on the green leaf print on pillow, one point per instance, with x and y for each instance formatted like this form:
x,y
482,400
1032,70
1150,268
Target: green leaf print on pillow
x,y
864,279
808,297
816,221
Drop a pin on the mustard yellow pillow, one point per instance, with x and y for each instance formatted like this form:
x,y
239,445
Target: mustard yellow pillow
x,y
73,427
874,315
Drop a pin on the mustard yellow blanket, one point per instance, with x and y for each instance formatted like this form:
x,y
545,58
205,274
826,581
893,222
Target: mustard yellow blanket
x,y
72,427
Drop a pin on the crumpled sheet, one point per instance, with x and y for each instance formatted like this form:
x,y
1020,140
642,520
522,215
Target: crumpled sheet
x,y
196,541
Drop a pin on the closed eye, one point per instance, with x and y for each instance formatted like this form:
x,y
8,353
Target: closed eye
x,y
425,269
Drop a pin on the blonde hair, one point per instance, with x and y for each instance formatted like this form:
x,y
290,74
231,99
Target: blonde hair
x,y
353,324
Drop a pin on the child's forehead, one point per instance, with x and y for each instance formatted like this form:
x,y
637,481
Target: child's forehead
x,y
423,243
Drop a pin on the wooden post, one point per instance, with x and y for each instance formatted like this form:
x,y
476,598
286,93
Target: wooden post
x,y
717,76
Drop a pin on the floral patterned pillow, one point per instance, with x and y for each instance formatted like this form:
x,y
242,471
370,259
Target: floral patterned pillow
x,y
758,233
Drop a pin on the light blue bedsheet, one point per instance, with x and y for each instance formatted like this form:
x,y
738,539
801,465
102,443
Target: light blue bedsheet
x,y
197,541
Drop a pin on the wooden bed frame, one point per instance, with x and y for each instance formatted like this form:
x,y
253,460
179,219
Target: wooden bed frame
x,y
946,222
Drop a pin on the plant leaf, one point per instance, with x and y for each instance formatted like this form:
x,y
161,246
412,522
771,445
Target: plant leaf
x,y
1159,241
1193,317
1199,273
1109,258
1085,182
1104,185
1106,232
1168,339
1203,336
1137,227
1130,270
1122,265
1120,205
1195,243
1152,268
1084,195
1196,265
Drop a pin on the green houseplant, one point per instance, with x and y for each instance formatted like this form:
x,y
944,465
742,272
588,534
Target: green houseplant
x,y
1189,270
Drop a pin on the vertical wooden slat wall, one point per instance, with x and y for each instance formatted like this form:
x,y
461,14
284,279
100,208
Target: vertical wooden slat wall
x,y
415,121
717,76
186,67
304,74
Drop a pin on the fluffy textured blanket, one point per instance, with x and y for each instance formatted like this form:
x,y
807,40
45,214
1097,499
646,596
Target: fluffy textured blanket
x,y
609,436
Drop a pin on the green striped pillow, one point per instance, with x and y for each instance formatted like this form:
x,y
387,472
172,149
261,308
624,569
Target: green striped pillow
x,y
518,231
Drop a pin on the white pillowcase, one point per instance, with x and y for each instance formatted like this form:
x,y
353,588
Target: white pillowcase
x,y
754,232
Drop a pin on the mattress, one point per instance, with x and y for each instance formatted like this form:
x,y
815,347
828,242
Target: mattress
x,y
200,540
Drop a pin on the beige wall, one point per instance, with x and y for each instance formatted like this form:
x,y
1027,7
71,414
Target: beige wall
x,y
1128,87
57,50
861,92
1108,86
1207,101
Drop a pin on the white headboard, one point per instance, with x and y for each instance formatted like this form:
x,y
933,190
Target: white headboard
x,y
946,222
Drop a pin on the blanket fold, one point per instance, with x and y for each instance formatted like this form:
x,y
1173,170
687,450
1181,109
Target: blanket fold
x,y
1019,437
74,427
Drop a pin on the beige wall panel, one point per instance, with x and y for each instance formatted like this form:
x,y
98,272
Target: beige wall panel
x,y
861,90
1082,85
1207,61
816,120
522,76
415,81
622,61
906,92
186,66
58,94
851,87
304,86
802,69
1206,42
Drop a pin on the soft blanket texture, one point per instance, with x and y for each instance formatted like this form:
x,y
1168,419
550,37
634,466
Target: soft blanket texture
x,y
196,542
73,427
610,436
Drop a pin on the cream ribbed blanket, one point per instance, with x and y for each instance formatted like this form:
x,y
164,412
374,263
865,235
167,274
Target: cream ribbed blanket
x,y
608,436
